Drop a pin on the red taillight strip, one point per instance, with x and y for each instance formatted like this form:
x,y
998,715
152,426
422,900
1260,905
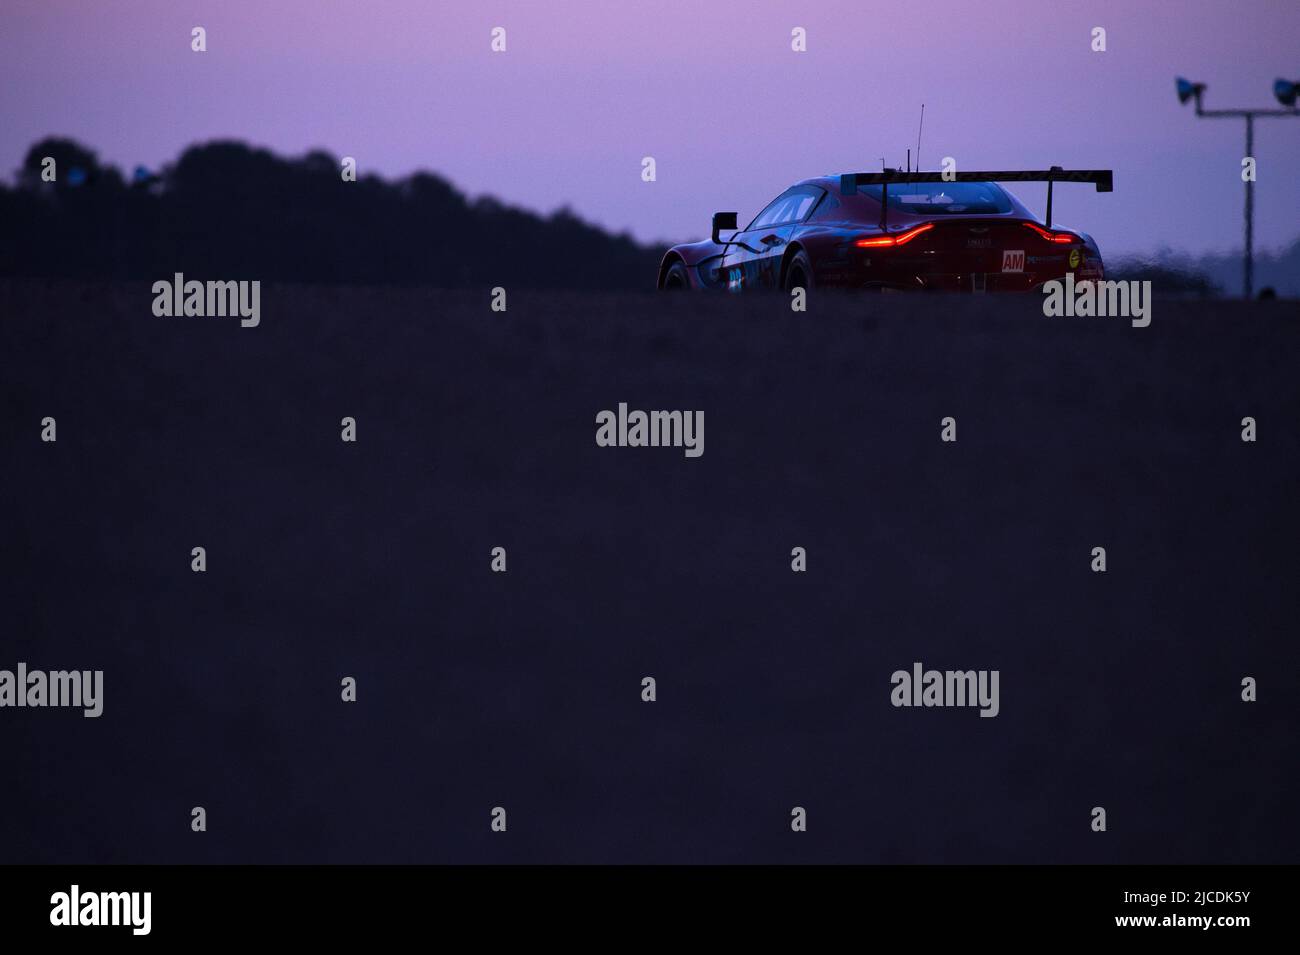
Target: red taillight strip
x,y
1061,238
880,241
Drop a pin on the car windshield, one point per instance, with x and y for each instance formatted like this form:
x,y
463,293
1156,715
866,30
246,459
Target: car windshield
x,y
944,198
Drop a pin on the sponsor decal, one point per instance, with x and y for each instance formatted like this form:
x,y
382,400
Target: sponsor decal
x,y
1013,260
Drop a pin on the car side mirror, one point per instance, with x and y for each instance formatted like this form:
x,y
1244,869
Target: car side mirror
x,y
722,220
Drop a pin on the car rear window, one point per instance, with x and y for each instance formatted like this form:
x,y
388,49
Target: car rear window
x,y
943,198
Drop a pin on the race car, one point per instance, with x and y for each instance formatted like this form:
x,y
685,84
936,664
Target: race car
x,y
892,231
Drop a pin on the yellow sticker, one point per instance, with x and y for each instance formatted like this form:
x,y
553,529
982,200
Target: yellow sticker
x,y
1075,258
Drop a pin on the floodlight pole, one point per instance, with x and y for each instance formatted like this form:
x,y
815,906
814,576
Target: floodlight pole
x,y
1249,115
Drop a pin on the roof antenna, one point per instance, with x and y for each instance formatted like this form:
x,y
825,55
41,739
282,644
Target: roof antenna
x,y
918,138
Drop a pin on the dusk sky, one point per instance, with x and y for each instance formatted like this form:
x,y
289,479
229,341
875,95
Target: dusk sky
x,y
710,88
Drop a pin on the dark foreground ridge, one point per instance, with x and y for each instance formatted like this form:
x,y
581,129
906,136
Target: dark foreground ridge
x,y
522,689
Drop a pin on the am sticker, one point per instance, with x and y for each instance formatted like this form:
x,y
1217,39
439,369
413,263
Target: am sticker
x,y
1013,260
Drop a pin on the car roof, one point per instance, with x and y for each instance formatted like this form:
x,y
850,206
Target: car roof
x,y
831,182
825,182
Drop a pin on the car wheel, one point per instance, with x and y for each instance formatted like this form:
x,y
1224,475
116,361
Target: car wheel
x,y
799,273
677,277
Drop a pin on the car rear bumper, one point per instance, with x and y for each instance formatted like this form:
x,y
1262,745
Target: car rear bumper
x,y
919,274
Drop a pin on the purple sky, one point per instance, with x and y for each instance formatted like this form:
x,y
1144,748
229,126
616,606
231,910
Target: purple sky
x,y
710,88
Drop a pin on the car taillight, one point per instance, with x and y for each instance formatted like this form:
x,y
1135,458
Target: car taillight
x,y
1061,238
880,241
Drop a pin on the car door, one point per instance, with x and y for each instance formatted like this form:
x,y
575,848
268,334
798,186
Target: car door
x,y
755,260
749,261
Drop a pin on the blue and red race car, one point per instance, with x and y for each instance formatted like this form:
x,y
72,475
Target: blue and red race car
x,y
894,230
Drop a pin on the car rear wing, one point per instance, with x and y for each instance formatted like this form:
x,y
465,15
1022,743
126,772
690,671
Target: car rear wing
x,y
1103,179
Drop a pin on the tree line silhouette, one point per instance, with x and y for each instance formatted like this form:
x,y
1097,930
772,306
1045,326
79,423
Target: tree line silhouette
x,y
226,210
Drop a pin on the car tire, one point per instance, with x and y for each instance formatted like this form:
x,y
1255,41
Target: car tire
x,y
798,272
677,277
